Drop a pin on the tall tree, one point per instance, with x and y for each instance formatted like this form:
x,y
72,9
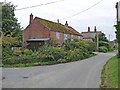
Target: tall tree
x,y
10,25
118,27
118,36
101,36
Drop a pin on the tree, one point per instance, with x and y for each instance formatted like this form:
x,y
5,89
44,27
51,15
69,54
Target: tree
x,y
118,36
103,41
102,37
10,26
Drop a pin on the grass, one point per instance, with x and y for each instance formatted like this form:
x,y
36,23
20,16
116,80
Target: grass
x,y
109,75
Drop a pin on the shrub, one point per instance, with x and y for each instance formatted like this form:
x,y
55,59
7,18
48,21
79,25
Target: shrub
x,y
27,52
92,46
105,44
73,51
6,52
74,55
17,52
53,53
103,49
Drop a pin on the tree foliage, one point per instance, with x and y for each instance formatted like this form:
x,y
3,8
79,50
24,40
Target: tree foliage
x,y
9,21
118,36
11,29
103,42
102,37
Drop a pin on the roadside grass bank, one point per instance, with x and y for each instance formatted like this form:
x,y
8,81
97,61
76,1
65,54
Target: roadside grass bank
x,y
110,74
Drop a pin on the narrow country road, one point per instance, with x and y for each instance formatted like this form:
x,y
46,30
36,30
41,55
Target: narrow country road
x,y
80,74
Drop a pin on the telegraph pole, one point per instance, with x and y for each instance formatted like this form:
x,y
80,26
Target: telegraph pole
x,y
97,42
109,37
117,11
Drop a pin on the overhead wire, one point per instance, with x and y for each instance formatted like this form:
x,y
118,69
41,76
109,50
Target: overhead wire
x,y
82,10
39,5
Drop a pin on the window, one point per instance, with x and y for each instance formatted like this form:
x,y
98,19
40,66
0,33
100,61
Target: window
x,y
65,36
72,37
57,35
78,37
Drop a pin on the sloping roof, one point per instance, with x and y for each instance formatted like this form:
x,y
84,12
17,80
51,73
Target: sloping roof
x,y
53,26
72,30
88,35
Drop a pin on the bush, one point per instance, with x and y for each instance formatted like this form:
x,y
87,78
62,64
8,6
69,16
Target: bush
x,y
78,50
28,52
76,54
17,52
105,44
103,49
53,53
92,46
6,52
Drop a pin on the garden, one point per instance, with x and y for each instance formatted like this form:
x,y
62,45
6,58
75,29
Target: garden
x,y
70,51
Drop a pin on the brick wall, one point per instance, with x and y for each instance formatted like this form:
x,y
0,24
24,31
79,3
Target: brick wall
x,y
35,30
75,37
54,39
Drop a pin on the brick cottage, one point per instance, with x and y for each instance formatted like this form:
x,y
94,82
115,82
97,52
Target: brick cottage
x,y
40,32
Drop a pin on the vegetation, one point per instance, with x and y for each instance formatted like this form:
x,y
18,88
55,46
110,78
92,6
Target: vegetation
x,y
15,56
78,50
104,45
11,30
118,37
110,76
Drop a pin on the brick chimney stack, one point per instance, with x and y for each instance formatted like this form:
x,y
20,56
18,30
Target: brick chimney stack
x,y
31,18
95,29
88,29
58,21
66,23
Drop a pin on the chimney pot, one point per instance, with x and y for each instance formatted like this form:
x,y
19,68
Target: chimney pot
x,y
95,29
66,23
57,20
88,29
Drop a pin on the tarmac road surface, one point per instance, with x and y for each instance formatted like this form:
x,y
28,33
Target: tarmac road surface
x,y
79,74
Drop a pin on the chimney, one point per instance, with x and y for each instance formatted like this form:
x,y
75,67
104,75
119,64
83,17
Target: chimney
x,y
95,29
31,18
66,23
57,20
88,29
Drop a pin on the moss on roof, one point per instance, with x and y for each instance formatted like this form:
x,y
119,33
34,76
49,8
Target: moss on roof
x,y
53,26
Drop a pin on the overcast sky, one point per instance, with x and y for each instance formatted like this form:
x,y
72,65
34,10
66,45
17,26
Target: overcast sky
x,y
103,15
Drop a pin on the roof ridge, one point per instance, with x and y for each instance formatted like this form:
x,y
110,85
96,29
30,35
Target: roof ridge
x,y
54,26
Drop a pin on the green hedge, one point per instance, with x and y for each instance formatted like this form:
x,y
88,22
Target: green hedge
x,y
103,49
78,50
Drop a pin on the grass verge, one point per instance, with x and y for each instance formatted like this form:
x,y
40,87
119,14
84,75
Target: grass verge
x,y
110,75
